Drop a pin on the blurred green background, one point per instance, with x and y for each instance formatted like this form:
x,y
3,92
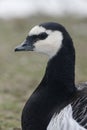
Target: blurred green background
x,y
21,72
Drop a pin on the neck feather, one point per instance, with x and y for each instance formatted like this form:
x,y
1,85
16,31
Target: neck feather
x,y
60,71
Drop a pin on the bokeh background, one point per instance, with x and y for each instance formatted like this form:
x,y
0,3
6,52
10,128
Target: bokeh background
x,y
20,73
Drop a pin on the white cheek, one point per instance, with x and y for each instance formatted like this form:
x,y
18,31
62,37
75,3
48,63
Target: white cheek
x,y
51,45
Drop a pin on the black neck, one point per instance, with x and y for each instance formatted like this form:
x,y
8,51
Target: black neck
x,y
60,71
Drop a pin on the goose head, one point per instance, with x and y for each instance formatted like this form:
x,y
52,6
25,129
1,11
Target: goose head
x,y
46,38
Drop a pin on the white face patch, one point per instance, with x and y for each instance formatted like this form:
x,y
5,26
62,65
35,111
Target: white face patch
x,y
64,121
51,45
37,30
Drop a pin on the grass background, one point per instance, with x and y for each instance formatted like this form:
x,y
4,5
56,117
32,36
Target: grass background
x,y
20,73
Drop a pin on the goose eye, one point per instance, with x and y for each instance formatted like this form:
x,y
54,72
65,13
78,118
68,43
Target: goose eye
x,y
42,36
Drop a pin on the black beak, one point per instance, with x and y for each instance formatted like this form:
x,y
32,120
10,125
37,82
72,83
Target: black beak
x,y
25,46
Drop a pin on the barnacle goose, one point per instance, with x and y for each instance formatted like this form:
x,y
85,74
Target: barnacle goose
x,y
57,103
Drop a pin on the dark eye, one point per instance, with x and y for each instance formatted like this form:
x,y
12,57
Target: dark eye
x,y
42,36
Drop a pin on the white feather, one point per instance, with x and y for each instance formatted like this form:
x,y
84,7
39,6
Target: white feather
x,y
36,30
64,121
